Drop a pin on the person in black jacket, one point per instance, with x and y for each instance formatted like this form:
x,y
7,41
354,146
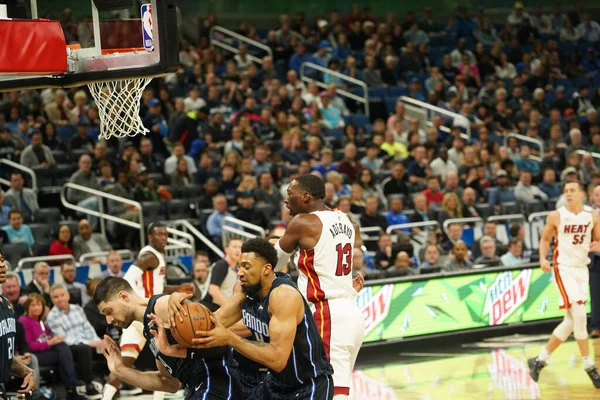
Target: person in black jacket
x,y
247,212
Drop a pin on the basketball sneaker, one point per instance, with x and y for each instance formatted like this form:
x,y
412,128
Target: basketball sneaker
x,y
594,376
128,390
535,366
91,392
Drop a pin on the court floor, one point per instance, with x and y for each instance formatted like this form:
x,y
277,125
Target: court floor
x,y
469,372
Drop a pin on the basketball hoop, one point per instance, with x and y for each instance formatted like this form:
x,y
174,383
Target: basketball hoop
x,y
119,103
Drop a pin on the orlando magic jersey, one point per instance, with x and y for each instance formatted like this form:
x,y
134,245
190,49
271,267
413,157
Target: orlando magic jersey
x,y
307,360
8,331
205,372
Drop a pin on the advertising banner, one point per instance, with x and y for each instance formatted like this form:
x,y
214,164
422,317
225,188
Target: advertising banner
x,y
452,303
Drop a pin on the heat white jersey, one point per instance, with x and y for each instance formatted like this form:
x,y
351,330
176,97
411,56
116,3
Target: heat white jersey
x,y
150,282
326,269
573,237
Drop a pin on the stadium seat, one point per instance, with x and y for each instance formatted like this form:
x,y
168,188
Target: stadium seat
x,y
360,120
485,210
44,176
510,208
158,178
191,191
534,206
40,231
397,91
71,224
60,157
151,208
41,249
174,190
48,216
179,209
15,252
267,210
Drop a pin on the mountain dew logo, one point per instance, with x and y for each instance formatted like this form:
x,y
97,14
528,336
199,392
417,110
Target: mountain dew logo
x,y
375,308
506,295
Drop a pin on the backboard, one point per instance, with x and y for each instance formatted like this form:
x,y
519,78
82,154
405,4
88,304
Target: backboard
x,y
105,41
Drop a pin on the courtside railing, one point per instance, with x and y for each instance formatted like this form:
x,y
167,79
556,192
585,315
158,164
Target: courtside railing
x,y
342,92
225,44
538,142
21,168
234,228
433,110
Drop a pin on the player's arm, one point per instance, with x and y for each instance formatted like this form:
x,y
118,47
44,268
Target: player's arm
x,y
284,306
595,245
301,225
546,238
147,261
159,380
30,379
359,282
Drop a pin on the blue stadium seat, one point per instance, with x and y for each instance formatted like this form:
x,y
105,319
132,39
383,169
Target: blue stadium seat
x,y
377,92
397,91
577,82
335,133
360,120
390,103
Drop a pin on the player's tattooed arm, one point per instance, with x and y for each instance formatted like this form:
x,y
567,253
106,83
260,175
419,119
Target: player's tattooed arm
x,y
30,379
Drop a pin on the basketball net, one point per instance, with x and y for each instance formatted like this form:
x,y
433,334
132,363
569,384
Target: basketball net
x,y
119,106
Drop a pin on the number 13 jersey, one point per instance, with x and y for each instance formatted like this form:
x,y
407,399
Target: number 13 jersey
x,y
326,269
574,237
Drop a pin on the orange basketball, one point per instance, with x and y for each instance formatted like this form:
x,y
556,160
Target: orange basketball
x,y
198,319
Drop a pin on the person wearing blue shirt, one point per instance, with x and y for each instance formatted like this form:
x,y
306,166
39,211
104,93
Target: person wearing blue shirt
x,y
395,216
549,185
326,164
300,57
322,56
214,223
524,162
18,232
503,194
513,257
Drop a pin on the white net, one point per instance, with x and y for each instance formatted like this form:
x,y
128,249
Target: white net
x,y
119,106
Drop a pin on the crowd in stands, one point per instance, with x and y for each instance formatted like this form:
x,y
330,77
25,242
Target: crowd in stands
x,y
226,135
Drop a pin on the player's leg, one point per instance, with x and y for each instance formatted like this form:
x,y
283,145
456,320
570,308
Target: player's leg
x,y
567,287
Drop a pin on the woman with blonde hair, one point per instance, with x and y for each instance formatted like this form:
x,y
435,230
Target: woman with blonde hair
x,y
468,160
247,183
335,178
450,208
232,158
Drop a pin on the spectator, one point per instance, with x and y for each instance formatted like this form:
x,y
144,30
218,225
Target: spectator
x,y
349,165
247,212
370,217
442,164
201,281
77,291
85,177
589,30
69,320
450,208
488,253
395,215
40,282
88,242
526,192
326,164
181,176
549,185
433,194
64,242
323,55
432,258
455,232
372,75
300,57
11,289
259,161
20,198
460,261
468,203
502,194
524,162
394,149
170,165
58,110
267,193
37,154
17,231
4,209
456,57
383,255
82,140
193,102
155,122
223,274
49,347
114,264
215,219
402,266
395,184
367,182
517,17
513,257
151,160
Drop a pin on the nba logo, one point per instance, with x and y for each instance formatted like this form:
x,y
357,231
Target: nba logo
x,y
147,27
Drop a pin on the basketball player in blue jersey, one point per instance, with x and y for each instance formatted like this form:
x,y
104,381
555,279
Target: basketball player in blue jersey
x,y
205,372
576,231
8,330
284,337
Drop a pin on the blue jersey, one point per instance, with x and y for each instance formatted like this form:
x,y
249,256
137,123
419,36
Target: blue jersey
x,y
8,331
205,372
307,360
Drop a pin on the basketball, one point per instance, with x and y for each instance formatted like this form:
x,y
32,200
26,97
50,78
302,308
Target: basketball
x,y
198,319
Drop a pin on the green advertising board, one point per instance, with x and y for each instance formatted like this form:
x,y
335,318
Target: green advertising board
x,y
453,303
